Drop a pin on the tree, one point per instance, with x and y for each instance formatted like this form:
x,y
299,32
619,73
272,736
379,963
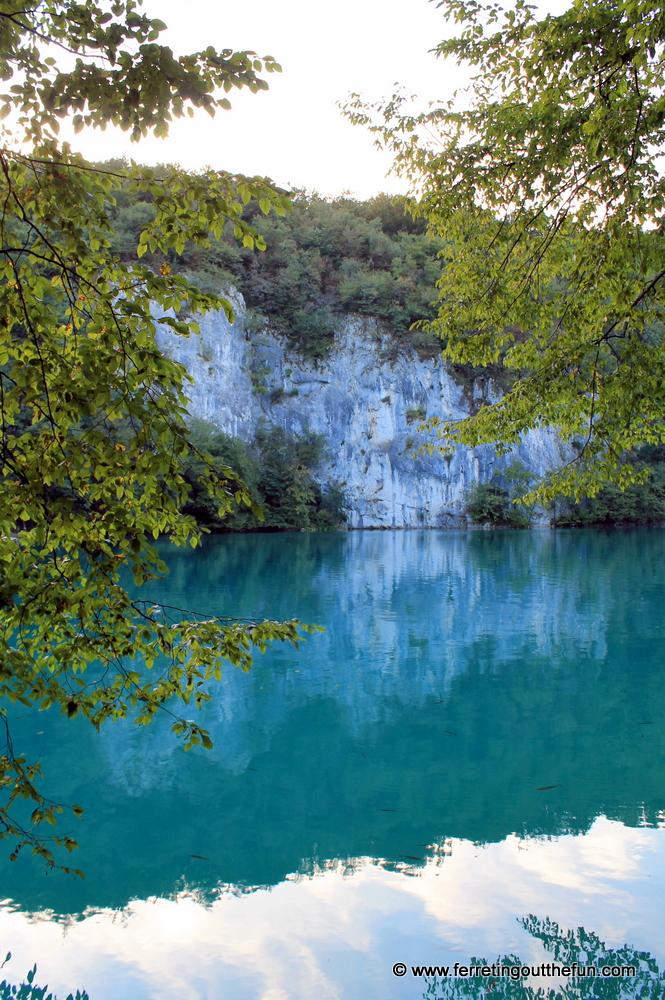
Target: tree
x,y
93,434
549,191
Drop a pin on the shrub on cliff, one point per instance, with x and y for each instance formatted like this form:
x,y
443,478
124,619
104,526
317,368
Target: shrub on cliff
x,y
225,451
499,502
278,472
489,503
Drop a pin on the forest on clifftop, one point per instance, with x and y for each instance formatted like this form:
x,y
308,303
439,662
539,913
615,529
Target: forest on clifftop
x,y
323,259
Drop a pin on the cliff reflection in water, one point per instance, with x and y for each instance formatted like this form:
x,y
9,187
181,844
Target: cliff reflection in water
x,y
469,685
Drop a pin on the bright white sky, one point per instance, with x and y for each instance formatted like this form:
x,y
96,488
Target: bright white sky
x,y
295,133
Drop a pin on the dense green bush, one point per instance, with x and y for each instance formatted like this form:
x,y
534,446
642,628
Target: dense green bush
x,y
499,502
489,503
227,451
642,503
278,470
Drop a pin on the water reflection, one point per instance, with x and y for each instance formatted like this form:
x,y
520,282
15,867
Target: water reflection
x,y
335,936
471,688
597,971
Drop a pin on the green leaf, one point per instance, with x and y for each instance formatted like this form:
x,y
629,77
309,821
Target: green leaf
x,y
93,412
542,182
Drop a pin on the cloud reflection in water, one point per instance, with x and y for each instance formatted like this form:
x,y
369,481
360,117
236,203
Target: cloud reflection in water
x,y
334,931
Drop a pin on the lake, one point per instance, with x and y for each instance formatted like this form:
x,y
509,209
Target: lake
x,y
468,764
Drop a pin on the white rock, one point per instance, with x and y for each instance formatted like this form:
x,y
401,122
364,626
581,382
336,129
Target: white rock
x,y
359,398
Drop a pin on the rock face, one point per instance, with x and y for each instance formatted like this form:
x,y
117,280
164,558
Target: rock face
x,y
367,398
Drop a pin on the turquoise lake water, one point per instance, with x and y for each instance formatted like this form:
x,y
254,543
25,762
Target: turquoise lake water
x,y
478,738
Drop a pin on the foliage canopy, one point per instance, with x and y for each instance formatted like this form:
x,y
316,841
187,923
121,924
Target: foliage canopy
x,y
93,437
549,187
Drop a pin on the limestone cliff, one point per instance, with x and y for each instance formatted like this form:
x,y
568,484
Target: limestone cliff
x,y
367,398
